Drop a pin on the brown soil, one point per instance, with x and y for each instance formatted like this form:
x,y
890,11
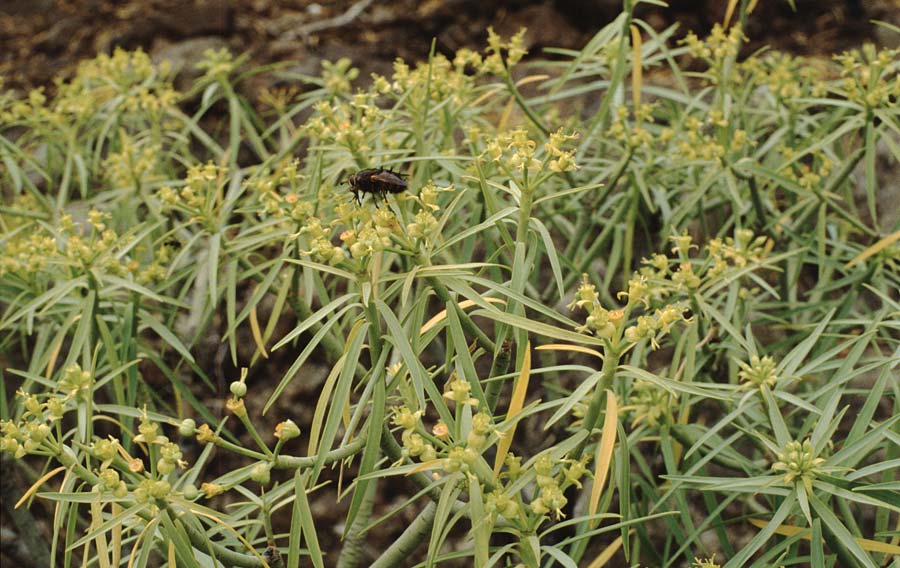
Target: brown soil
x,y
43,39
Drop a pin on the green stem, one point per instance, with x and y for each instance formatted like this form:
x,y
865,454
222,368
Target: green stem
x,y
757,203
21,517
398,553
468,325
392,449
248,424
293,462
238,449
525,204
583,224
201,541
592,416
500,366
535,119
374,328
355,541
333,346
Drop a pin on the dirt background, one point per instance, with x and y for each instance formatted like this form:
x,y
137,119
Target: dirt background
x,y
43,39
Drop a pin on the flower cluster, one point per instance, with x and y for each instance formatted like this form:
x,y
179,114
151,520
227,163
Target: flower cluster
x,y
758,373
439,80
29,434
425,224
610,324
278,98
482,427
719,46
457,390
514,149
866,76
76,382
353,125
32,109
799,462
280,192
37,256
414,444
498,503
630,130
650,404
169,452
515,152
201,196
600,320
809,172
428,446
514,49
111,482
721,255
217,64
26,254
134,165
99,249
550,496
32,435
745,248
373,235
126,82
697,143
149,490
786,76
562,160
705,562
654,326
338,77
659,290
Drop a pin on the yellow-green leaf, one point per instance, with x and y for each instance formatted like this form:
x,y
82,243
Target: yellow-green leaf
x,y
604,450
515,406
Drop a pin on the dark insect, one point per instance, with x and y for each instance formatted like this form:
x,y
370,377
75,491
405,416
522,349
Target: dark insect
x,y
272,556
377,181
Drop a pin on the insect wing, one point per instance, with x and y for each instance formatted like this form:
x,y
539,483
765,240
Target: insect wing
x,y
391,181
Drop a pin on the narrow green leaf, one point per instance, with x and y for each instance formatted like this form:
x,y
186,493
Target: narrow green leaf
x,y
373,439
763,536
332,407
538,327
445,503
166,335
308,350
302,522
837,535
776,420
319,315
421,380
481,525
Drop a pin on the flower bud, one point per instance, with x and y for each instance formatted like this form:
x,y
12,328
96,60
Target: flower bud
x,y
210,490
287,430
190,492
238,389
187,427
260,473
